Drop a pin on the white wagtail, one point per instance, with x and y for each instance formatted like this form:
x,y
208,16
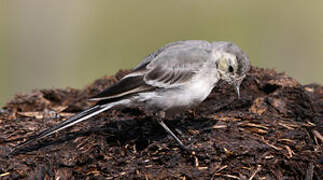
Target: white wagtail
x,y
177,76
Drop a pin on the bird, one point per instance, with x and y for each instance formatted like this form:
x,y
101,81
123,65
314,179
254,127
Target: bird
x,y
178,76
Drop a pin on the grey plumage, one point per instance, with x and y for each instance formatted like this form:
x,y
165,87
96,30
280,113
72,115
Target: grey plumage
x,y
175,77
243,59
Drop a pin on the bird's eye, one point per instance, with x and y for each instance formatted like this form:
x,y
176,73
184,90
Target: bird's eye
x,y
230,69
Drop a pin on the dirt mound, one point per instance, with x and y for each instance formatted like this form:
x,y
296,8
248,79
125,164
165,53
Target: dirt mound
x,y
274,131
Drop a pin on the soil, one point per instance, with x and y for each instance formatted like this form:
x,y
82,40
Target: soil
x,y
274,131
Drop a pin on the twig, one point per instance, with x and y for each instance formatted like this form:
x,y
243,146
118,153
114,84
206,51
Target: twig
x,y
318,135
256,171
5,174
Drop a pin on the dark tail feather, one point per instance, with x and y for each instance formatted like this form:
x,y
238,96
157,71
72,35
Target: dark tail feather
x,y
82,116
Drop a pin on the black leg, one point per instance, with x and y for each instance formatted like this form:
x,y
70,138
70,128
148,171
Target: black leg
x,y
161,122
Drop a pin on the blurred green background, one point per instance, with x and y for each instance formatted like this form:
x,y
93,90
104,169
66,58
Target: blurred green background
x,y
58,44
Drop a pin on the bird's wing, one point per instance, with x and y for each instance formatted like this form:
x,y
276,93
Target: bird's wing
x,y
168,67
126,86
173,46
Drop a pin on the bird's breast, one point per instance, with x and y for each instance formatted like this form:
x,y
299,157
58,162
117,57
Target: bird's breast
x,y
187,95
177,98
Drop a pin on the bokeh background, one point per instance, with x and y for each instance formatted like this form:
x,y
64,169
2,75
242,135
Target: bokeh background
x,y
58,44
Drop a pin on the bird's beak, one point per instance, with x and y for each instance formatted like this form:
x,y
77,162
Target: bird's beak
x,y
237,87
238,91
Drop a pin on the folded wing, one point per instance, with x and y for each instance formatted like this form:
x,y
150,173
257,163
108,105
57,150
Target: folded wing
x,y
171,66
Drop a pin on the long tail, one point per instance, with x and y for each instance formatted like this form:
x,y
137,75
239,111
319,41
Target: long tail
x,y
82,116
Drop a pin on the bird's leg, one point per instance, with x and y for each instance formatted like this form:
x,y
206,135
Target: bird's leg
x,y
160,118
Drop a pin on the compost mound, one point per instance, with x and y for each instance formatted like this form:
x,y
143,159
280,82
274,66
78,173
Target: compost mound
x,y
274,131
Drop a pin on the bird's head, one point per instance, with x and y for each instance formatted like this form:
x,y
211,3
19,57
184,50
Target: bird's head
x,y
232,63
